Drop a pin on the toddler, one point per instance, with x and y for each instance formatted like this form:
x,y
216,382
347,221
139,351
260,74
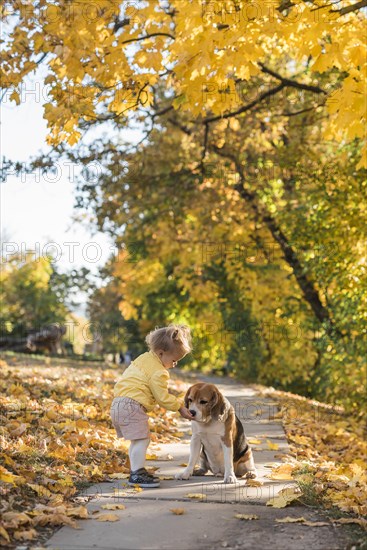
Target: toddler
x,y
142,385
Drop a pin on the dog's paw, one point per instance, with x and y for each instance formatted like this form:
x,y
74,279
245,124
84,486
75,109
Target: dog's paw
x,y
230,478
185,474
251,474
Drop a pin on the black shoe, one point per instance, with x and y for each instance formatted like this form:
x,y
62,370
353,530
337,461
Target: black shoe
x,y
156,478
143,479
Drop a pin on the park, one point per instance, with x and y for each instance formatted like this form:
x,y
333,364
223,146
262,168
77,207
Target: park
x,y
183,165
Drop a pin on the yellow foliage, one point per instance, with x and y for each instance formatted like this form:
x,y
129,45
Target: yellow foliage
x,y
206,54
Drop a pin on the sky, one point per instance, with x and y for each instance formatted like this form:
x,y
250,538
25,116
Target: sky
x,y
37,211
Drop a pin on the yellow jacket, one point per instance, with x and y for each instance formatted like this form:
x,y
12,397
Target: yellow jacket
x,y
146,381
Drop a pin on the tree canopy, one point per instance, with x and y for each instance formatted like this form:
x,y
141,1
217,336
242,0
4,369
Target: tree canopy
x,y
104,60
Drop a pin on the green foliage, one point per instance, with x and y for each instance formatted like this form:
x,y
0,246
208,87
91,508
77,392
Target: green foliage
x,y
28,297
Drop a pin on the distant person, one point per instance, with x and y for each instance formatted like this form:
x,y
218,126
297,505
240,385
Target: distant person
x,y
128,358
142,385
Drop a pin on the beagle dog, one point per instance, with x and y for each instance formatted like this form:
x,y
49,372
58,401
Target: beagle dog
x,y
217,436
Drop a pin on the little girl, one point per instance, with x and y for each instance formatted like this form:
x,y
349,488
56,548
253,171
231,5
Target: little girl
x,y
142,385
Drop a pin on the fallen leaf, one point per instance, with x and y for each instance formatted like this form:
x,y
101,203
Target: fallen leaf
x,y
77,512
177,511
284,471
198,496
246,516
253,483
8,477
107,517
4,533
288,519
119,476
25,535
272,446
254,441
40,490
113,506
151,457
55,519
284,497
183,464
13,519
137,489
360,521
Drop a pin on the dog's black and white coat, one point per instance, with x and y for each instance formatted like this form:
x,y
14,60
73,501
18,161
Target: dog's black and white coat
x,y
217,438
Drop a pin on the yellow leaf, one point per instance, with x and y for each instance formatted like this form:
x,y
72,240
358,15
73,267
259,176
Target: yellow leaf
x,y
253,483
284,497
246,516
177,511
254,441
15,97
107,517
137,488
4,533
40,490
322,63
272,446
113,506
14,519
198,496
288,519
77,512
282,472
25,535
8,477
119,476
151,457
58,518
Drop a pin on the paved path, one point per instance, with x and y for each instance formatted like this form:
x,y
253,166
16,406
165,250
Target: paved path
x,y
148,523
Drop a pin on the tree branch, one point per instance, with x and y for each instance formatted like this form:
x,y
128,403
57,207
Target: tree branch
x,y
353,7
247,107
148,36
291,83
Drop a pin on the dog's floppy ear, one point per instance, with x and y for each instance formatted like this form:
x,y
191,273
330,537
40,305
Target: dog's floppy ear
x,y
186,398
218,406
193,390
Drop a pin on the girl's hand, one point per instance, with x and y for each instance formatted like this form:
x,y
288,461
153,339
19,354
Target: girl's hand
x,y
186,413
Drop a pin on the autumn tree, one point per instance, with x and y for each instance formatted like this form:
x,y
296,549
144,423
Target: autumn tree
x,y
104,61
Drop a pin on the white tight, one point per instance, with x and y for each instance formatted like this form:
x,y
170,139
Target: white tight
x,y
137,451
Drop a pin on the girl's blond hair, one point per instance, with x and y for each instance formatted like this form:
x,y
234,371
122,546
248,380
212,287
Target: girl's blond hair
x,y
170,338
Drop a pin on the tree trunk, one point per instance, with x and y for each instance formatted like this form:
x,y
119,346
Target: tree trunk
x,y
307,286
